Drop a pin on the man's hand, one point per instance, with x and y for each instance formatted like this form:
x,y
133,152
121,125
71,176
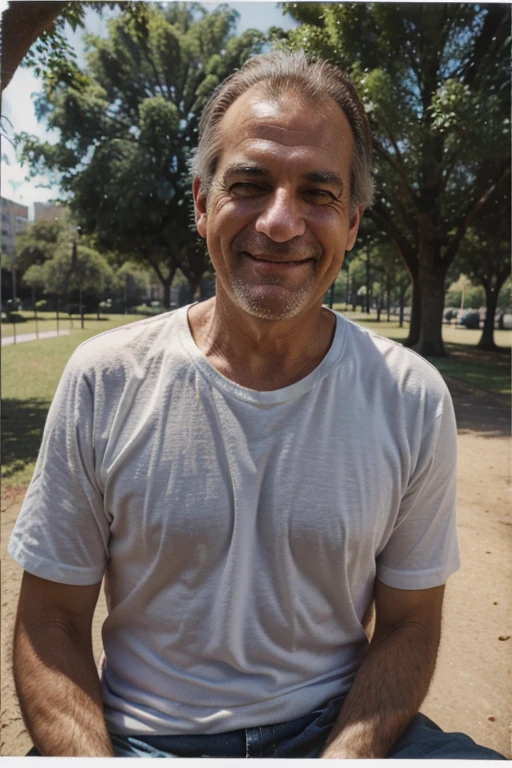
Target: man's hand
x,y
394,677
54,670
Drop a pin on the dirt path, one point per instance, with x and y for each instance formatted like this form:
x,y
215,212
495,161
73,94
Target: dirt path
x,y
472,688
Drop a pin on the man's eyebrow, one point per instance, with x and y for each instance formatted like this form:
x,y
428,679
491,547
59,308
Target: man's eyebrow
x,y
324,177
313,177
246,170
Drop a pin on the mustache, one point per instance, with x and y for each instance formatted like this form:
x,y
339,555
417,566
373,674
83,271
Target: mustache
x,y
259,244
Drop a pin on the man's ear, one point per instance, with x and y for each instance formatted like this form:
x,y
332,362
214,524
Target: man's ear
x,y
355,221
199,207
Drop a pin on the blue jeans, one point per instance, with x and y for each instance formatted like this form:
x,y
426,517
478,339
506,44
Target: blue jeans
x,y
302,737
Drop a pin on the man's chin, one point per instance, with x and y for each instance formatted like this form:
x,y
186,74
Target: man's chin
x,y
271,302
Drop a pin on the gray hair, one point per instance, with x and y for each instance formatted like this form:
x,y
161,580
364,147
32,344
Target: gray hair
x,y
279,72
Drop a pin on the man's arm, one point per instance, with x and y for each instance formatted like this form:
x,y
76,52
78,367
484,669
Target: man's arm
x,y
54,670
394,677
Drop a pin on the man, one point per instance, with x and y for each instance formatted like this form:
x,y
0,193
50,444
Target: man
x,y
251,474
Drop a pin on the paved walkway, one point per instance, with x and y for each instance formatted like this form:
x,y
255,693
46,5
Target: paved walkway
x,y
20,337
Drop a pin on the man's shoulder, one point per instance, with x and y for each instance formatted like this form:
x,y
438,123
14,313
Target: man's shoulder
x,y
383,357
131,346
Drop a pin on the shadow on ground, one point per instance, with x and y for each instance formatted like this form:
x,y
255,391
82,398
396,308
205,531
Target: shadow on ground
x,y
22,430
478,412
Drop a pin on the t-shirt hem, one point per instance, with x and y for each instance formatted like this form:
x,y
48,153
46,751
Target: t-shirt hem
x,y
47,569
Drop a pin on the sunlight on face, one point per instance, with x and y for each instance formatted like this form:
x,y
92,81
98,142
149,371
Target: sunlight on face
x,y
277,219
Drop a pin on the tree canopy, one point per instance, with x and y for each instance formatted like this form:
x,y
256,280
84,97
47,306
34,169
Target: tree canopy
x,y
127,126
436,86
53,258
37,244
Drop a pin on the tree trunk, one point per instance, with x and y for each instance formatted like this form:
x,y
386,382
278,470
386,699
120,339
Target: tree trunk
x,y
167,292
487,337
22,24
430,343
415,323
401,308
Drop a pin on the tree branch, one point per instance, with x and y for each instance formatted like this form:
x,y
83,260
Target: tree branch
x,y
381,216
473,210
399,169
22,24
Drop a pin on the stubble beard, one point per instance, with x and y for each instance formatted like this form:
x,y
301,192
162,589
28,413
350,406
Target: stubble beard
x,y
264,299
255,300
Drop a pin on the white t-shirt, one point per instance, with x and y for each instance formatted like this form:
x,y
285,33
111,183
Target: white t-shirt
x,y
239,532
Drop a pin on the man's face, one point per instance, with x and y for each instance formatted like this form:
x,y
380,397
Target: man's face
x,y
277,220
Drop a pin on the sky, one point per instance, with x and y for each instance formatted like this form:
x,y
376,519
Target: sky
x,y
18,109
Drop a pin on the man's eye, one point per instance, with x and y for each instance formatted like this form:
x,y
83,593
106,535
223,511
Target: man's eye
x,y
318,196
246,189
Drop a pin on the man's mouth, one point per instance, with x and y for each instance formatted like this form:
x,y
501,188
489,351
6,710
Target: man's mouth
x,y
265,260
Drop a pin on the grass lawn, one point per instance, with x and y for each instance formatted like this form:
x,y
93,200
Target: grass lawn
x,y
30,374
31,371
47,321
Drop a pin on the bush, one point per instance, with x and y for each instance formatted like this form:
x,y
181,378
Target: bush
x,y
105,306
143,309
469,318
449,314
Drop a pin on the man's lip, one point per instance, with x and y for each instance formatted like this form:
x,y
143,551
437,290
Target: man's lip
x,y
265,260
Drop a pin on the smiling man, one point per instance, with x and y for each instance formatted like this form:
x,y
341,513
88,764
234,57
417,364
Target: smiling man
x,y
253,475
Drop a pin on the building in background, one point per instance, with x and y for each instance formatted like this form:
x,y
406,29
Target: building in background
x,y
14,221
49,211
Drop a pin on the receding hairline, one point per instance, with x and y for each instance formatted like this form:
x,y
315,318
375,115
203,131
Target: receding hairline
x,y
311,81
268,92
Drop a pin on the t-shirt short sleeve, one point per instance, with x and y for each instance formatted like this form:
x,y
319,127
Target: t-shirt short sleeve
x,y
422,550
62,531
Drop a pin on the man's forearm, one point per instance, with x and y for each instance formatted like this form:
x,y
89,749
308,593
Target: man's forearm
x,y
387,693
59,692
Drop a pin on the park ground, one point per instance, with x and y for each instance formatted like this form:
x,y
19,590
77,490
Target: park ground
x,y
472,687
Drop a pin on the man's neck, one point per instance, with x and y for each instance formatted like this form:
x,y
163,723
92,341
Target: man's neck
x,y
261,354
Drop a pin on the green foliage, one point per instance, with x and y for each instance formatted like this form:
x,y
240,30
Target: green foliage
x,y
58,265
37,243
51,52
67,272
34,277
485,251
435,82
128,124
463,293
505,297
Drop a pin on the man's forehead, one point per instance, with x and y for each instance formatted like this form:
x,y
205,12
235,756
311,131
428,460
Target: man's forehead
x,y
289,119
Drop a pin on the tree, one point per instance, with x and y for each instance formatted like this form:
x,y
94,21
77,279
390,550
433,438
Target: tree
x,y
485,256
131,280
53,258
435,81
76,271
128,124
37,243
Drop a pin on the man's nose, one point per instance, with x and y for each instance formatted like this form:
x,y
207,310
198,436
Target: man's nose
x,y
281,220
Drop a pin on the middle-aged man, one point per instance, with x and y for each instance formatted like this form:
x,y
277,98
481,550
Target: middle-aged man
x,y
251,475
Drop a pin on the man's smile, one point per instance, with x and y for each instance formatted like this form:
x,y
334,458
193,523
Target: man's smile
x,y
265,260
